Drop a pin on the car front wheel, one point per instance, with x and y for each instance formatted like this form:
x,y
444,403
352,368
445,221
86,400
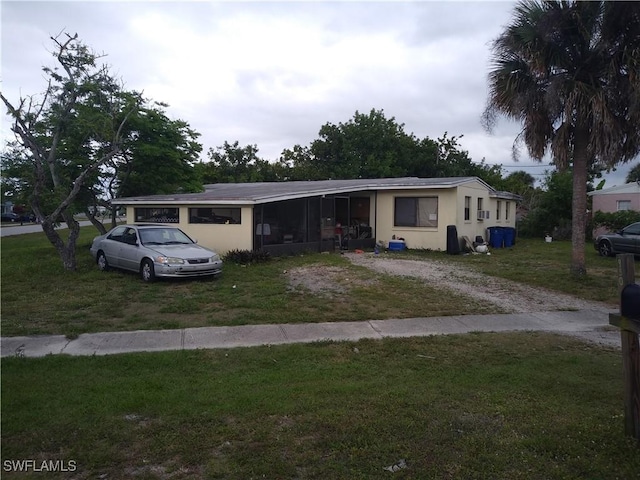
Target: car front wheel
x,y
147,272
102,262
604,248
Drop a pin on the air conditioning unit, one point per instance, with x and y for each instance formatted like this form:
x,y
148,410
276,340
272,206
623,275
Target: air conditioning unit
x,y
483,214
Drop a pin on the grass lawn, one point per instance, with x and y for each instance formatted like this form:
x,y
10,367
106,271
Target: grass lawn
x,y
478,406
38,297
542,264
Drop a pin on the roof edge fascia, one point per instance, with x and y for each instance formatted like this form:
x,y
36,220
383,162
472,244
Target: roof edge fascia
x,y
366,187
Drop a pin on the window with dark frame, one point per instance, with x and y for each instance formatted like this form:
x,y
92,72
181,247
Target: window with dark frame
x,y
467,208
157,214
416,212
218,215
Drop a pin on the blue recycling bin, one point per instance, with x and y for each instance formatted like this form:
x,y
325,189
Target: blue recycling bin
x,y
509,235
496,237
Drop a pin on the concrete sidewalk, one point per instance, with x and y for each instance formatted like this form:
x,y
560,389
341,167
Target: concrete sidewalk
x,y
587,324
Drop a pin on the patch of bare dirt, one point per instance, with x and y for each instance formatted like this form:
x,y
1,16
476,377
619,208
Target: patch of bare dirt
x,y
323,279
511,296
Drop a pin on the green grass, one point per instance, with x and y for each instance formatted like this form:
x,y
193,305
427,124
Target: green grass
x,y
38,297
542,264
479,406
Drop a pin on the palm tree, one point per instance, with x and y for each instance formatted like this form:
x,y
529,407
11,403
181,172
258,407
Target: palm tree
x,y
570,72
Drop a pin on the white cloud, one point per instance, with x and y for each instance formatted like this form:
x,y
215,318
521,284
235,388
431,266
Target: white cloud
x,y
272,73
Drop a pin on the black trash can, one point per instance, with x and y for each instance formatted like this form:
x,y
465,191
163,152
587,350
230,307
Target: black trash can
x,y
453,243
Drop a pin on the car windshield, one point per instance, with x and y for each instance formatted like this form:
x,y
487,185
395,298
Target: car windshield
x,y
164,236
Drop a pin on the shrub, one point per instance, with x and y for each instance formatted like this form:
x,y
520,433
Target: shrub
x,y
615,221
245,257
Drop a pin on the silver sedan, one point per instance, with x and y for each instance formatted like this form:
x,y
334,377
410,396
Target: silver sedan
x,y
154,251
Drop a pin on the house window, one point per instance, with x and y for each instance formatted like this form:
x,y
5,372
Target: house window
x,y
214,215
157,215
507,208
498,208
623,205
467,208
480,215
416,212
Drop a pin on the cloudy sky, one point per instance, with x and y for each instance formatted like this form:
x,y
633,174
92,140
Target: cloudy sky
x,y
272,73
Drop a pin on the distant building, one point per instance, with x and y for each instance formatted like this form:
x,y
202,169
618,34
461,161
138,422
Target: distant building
x,y
7,207
616,199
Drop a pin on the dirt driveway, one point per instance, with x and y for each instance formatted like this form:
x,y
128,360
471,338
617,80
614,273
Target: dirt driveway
x,y
511,296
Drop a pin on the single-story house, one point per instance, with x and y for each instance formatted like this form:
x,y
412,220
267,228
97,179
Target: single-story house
x,y
288,217
615,199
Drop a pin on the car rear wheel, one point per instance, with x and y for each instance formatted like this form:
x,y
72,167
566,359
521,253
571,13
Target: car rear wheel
x,y
604,248
102,262
147,272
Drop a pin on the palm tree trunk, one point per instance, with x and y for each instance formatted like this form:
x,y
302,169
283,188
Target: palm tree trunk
x,y
579,203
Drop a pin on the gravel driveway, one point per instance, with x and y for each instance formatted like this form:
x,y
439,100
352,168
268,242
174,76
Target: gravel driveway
x,y
511,296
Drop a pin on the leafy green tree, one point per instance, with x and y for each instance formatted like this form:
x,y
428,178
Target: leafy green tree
x,y
372,146
230,163
297,164
16,175
65,137
367,146
568,70
158,155
549,209
452,161
519,182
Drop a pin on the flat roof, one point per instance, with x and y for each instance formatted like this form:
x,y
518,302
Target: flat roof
x,y
627,188
265,192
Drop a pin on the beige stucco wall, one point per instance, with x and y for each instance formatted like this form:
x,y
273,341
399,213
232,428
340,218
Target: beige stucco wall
x,y
434,238
218,237
451,206
451,209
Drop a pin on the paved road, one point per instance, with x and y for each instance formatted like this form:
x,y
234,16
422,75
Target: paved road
x,y
9,230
